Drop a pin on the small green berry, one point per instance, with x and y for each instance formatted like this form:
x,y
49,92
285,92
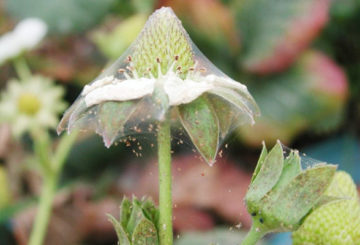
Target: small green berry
x,y
336,223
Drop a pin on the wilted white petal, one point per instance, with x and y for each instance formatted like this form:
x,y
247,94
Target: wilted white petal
x,y
184,91
121,91
98,83
226,82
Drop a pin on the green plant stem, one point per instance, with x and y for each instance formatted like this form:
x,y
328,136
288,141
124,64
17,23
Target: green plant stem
x,y
165,202
21,68
44,211
52,166
253,236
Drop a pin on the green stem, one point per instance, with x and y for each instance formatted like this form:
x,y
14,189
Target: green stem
x,y
21,68
44,211
253,236
52,168
165,202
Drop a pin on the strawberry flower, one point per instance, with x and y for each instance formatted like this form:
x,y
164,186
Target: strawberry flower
x,y
27,34
163,73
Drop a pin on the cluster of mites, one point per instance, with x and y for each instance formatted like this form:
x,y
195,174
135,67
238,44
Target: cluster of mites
x,y
130,68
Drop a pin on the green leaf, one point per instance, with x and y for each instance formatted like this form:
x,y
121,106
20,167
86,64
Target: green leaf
x,y
267,176
301,194
125,211
65,16
145,233
270,28
306,89
121,234
260,162
201,123
112,118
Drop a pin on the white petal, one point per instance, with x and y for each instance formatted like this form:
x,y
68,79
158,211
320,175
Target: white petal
x,y
30,32
26,35
184,91
98,83
121,91
9,47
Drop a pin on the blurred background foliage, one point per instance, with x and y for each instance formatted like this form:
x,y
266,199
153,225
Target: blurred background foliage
x,y
300,60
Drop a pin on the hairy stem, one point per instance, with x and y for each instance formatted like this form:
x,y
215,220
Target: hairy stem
x,y
165,202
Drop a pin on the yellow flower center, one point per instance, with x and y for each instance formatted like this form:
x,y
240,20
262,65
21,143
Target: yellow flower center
x,y
28,104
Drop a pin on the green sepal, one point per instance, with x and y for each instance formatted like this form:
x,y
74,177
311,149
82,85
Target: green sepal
x,y
325,199
135,216
268,174
202,125
120,232
145,233
80,117
260,162
300,195
112,118
290,170
150,211
125,211
242,103
224,113
281,194
137,222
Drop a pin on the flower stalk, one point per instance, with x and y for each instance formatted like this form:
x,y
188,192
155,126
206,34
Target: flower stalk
x,y
165,198
21,68
44,210
254,235
51,166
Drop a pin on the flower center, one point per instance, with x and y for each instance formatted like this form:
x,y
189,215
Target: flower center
x,y
28,104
